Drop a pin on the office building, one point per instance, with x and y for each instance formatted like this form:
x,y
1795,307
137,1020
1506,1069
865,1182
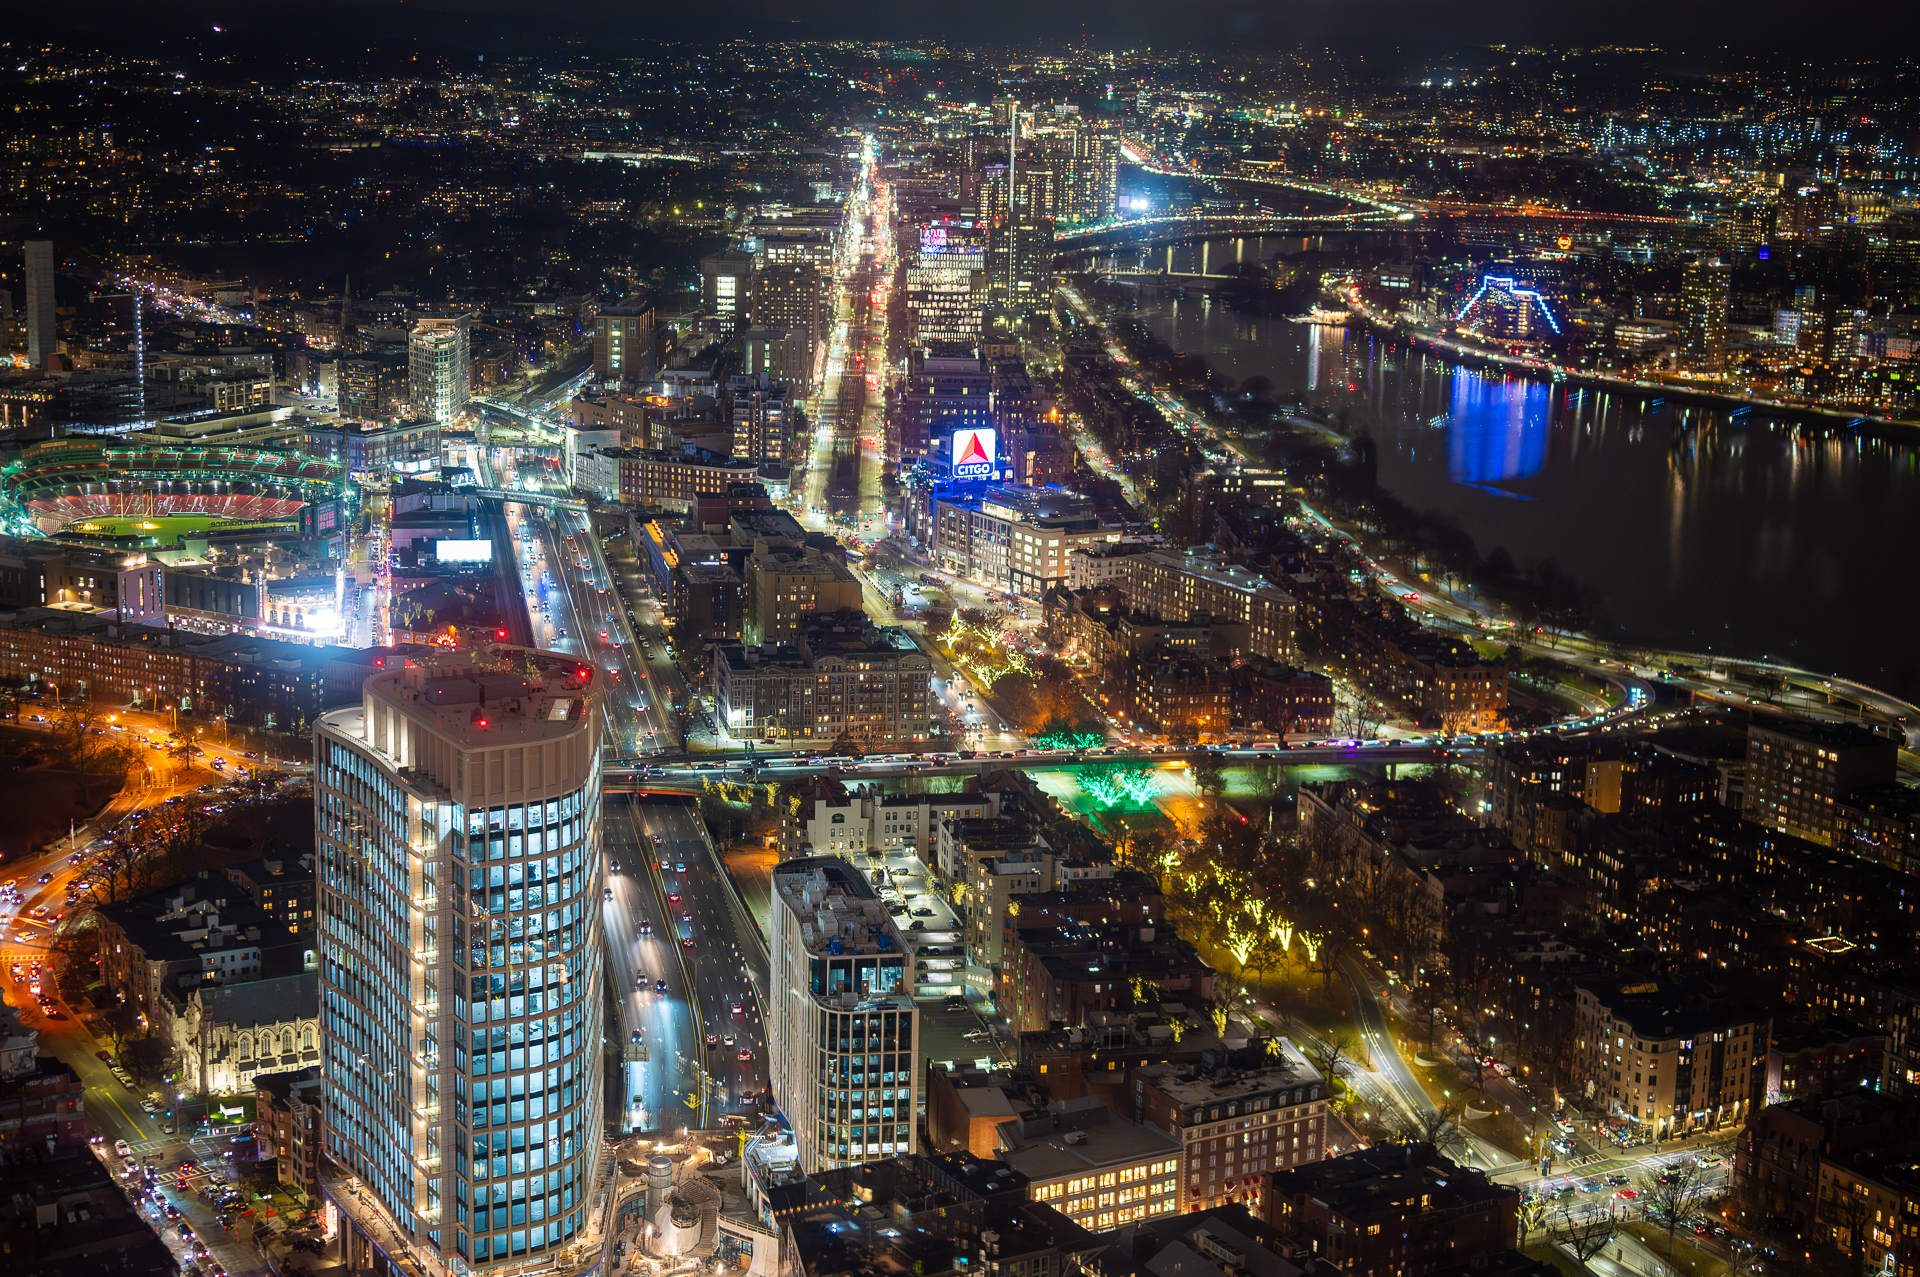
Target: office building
x,y
1236,1124
842,1027
1799,774
43,321
623,343
1092,1164
440,368
791,355
726,289
1013,537
457,817
373,387
1394,1209
946,280
1704,289
845,678
408,446
121,585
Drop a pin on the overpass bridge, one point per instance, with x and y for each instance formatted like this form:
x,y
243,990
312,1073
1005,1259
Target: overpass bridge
x,y
525,498
678,775
1208,225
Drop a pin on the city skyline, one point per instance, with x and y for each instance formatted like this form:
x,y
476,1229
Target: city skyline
x,y
1000,642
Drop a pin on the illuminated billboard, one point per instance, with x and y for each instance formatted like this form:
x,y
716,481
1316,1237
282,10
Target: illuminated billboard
x,y
464,551
974,453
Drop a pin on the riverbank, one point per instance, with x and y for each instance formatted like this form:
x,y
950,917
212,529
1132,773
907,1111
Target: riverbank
x,y
1682,392
1752,683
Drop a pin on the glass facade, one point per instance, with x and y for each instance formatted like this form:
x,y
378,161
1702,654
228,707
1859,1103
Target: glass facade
x,y
866,1083
461,963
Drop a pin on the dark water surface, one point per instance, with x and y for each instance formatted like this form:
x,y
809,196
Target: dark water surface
x,y
1748,537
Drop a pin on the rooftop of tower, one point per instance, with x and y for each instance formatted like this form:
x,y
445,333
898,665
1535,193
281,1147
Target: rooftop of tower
x,y
499,695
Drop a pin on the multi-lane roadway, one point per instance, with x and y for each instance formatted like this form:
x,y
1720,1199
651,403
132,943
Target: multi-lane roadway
x,y
691,1057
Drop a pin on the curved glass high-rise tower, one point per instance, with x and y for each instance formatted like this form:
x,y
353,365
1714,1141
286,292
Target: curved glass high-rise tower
x,y
457,816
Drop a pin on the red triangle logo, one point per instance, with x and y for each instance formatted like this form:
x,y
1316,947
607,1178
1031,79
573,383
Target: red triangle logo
x,y
974,452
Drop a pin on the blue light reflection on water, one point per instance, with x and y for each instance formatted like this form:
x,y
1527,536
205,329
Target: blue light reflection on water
x,y
1690,528
1496,430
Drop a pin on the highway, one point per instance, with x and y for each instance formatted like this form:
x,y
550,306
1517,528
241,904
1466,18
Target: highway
x,y
645,978
671,957
716,961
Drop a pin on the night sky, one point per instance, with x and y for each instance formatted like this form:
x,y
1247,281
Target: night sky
x,y
1408,28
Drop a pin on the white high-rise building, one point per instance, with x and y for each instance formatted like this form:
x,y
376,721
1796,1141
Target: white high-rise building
x,y
842,1029
440,368
457,816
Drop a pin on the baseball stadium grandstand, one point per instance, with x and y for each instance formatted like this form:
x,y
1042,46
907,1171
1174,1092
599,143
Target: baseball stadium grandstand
x,y
56,484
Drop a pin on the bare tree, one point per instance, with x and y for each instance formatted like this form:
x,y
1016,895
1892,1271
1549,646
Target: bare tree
x,y
164,844
1439,1127
1585,1236
1677,1194
1329,1054
182,750
79,730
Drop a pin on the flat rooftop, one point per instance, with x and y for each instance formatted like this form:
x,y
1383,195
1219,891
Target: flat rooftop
x,y
1073,1137
838,910
501,696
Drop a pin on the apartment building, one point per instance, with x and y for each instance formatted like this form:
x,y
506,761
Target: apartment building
x,y
1395,1210
845,677
1177,586
1798,773
678,479
787,585
1236,1125
842,1027
1667,1060
288,1120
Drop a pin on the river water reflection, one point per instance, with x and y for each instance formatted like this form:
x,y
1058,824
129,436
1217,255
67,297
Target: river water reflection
x,y
1746,537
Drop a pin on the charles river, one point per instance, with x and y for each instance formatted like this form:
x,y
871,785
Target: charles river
x,y
1741,538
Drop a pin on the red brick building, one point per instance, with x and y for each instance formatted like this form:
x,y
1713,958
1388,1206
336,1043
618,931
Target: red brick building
x,y
42,1108
1235,1127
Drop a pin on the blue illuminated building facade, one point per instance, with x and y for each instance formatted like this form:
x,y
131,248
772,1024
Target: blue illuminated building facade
x,y
1510,309
457,817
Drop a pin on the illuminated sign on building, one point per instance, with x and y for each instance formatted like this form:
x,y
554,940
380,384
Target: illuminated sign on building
x,y
933,239
974,452
480,551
